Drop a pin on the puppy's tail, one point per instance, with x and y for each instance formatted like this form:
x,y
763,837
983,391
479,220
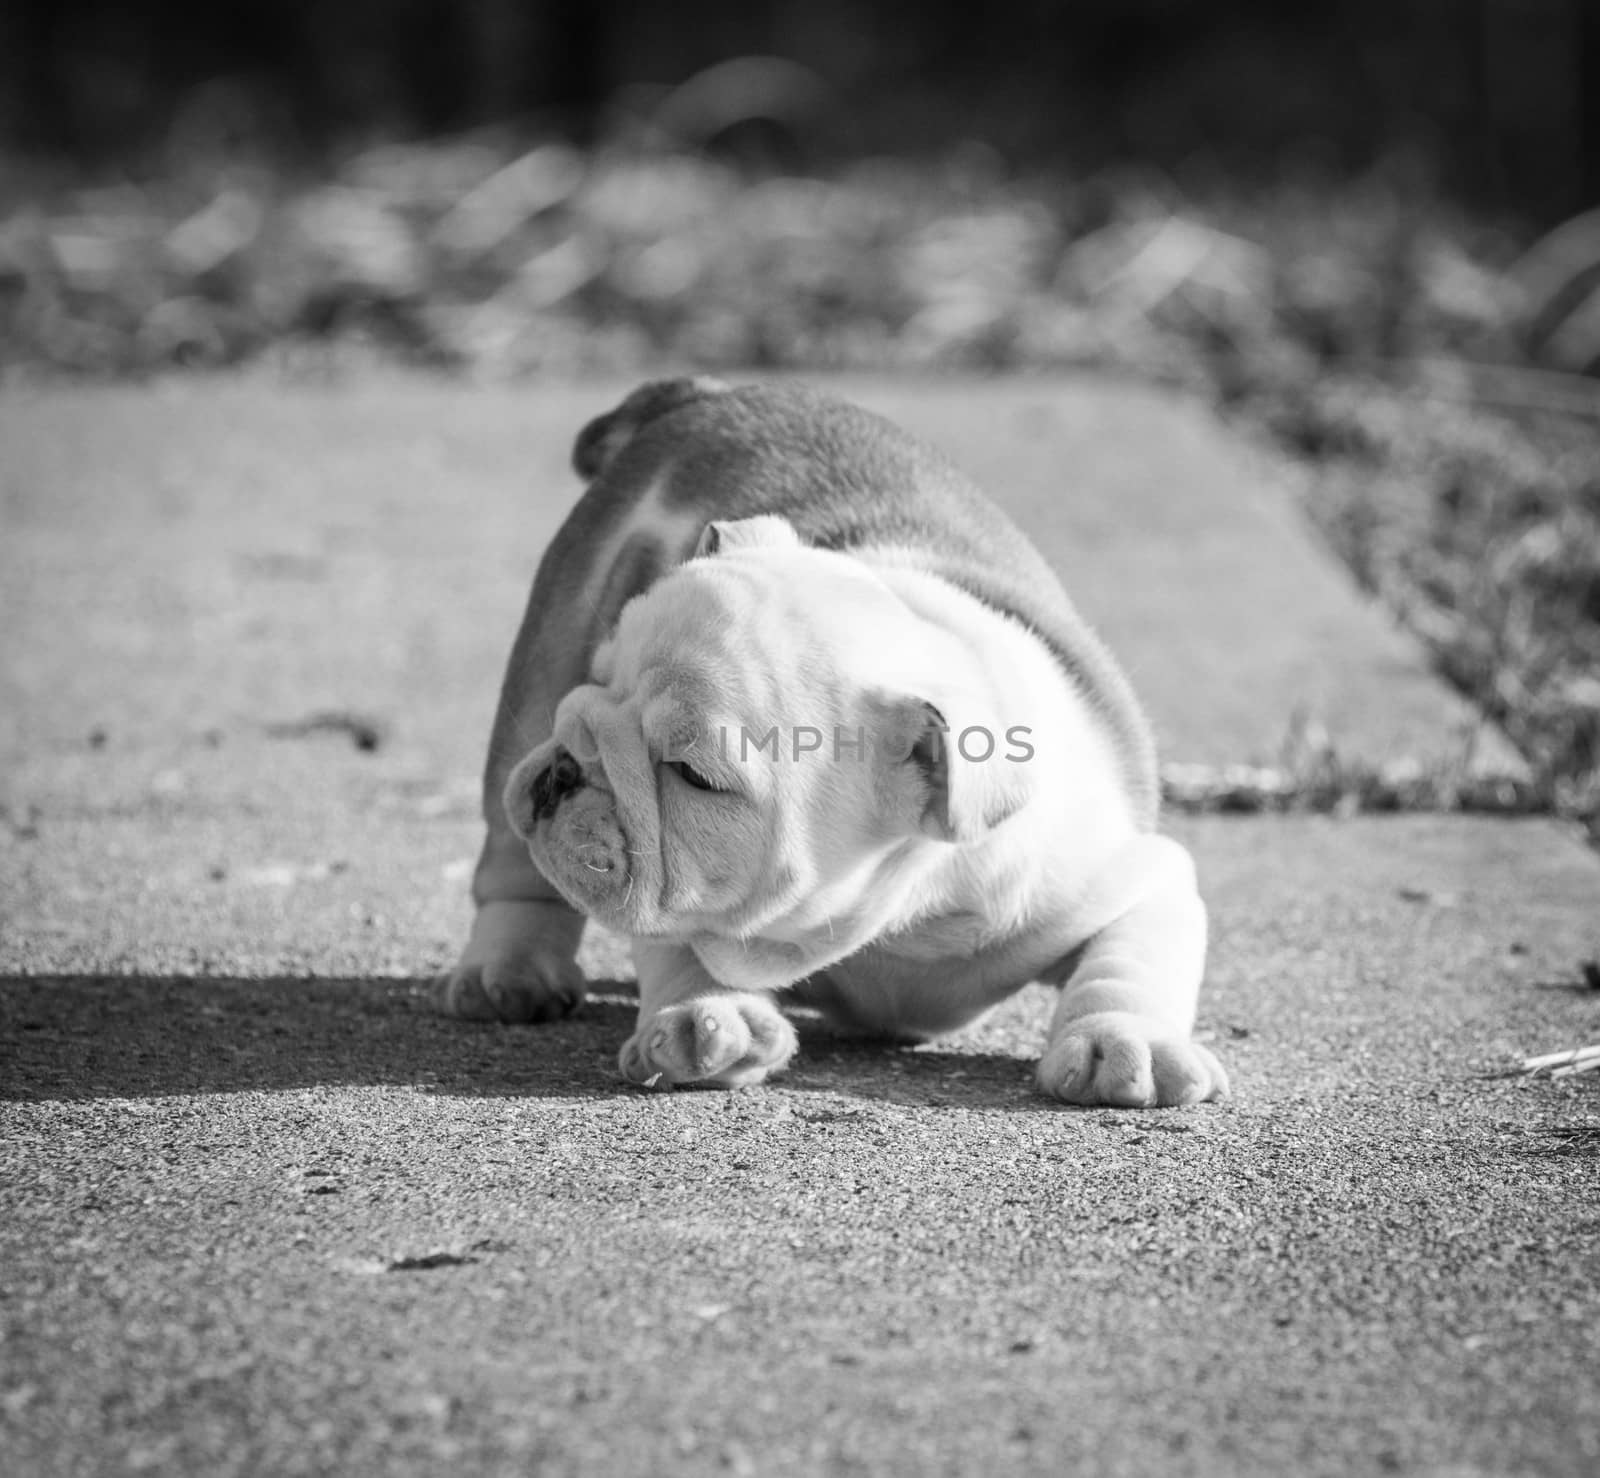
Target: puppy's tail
x,y
603,439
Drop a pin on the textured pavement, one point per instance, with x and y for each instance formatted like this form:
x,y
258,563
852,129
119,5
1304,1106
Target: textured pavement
x,y
261,1212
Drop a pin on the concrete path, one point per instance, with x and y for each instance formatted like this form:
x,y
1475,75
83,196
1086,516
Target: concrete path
x,y
263,1213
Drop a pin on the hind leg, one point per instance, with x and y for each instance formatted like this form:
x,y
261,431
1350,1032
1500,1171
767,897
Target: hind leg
x,y
520,960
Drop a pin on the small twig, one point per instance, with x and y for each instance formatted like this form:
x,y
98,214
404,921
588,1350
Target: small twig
x,y
365,733
1564,1064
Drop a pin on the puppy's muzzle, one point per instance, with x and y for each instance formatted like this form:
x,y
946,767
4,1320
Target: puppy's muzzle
x,y
552,785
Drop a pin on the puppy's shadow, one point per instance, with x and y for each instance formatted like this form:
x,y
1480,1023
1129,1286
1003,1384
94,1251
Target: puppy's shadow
x,y
67,1037
989,1064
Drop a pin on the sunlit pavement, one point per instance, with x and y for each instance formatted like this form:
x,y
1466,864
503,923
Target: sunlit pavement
x,y
265,1213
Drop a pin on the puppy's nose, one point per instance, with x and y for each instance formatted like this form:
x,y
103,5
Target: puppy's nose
x,y
554,784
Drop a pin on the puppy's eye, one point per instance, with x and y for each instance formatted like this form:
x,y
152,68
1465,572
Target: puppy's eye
x,y
692,777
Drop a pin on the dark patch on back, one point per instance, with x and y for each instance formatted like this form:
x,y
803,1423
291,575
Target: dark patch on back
x,y
605,437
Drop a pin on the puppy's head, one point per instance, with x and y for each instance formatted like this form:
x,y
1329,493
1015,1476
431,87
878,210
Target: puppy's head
x,y
754,747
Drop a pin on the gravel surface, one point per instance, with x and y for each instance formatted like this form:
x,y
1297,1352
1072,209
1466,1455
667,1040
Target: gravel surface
x,y
265,1213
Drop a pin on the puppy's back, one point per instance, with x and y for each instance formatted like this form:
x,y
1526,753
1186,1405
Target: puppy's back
x,y
846,480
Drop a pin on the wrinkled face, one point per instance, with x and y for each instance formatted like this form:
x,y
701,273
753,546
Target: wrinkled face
x,y
732,768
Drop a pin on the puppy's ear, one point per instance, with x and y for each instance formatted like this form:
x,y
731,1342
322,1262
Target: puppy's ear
x,y
912,743
603,440
766,531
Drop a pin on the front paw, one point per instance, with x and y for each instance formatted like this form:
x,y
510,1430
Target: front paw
x,y
724,1041
1128,1061
518,966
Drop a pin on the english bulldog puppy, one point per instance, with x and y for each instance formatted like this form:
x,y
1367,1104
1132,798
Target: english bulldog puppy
x,y
798,709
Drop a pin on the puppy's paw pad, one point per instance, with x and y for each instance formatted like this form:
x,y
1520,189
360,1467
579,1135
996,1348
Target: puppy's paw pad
x,y
511,990
1128,1061
727,1041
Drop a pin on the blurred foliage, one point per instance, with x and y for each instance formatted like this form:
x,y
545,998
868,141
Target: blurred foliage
x,y
484,253
1501,92
1437,370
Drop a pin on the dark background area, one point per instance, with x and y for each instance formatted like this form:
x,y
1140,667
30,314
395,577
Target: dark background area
x,y
1500,98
